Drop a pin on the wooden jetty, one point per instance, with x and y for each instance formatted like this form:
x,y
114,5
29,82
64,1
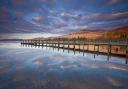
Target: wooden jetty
x,y
77,43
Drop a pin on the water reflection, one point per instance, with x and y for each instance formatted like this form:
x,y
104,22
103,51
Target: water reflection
x,y
43,68
93,55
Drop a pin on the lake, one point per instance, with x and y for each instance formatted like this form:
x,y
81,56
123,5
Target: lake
x,y
23,67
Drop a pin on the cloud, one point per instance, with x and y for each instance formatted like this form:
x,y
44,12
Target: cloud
x,y
66,14
17,2
112,2
49,2
4,12
58,16
38,19
105,17
25,35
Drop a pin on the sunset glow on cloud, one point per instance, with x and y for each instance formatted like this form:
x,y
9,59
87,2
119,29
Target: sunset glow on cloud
x,y
61,16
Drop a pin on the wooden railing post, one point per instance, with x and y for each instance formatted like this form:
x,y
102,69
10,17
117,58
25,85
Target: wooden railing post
x,y
79,45
68,45
83,46
88,45
58,44
127,54
74,47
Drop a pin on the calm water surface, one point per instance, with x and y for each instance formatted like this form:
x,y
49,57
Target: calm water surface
x,y
24,67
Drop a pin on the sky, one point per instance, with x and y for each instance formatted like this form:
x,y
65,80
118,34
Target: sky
x,y
25,18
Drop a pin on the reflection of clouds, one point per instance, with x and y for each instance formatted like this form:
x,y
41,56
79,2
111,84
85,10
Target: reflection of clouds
x,y
37,62
58,59
22,52
74,63
50,69
94,66
116,67
5,70
69,67
113,81
91,65
19,67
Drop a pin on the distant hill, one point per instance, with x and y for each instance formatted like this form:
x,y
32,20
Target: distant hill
x,y
11,39
121,32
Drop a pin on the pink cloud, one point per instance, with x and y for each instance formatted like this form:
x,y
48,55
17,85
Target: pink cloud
x,y
18,14
4,11
52,2
103,17
111,2
17,2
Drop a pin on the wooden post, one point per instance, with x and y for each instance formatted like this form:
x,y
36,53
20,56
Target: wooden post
x,y
58,44
94,48
31,42
34,42
43,42
52,43
127,54
74,49
88,45
46,42
109,50
55,42
68,45
79,45
83,47
94,55
28,41
98,46
38,43
110,47
63,44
